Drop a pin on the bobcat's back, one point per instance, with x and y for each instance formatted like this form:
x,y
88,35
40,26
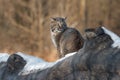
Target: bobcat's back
x,y
70,41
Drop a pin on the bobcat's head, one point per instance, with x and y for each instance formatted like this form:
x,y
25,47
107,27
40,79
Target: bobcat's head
x,y
58,25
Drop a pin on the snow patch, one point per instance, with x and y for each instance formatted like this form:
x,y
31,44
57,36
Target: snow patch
x,y
31,60
70,54
66,56
114,37
4,57
34,64
34,68
39,65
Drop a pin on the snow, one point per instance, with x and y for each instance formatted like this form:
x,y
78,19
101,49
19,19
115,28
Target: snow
x,y
4,57
31,60
38,64
70,54
114,37
34,64
66,56
36,67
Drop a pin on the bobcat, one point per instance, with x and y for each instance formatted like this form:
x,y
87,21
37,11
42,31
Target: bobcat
x,y
65,39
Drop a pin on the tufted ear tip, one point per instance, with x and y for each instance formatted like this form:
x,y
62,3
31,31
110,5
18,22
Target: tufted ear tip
x,y
65,18
52,19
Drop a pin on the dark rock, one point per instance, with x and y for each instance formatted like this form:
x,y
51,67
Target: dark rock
x,y
10,69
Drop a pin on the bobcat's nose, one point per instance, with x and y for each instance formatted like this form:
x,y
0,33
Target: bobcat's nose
x,y
60,29
59,24
55,30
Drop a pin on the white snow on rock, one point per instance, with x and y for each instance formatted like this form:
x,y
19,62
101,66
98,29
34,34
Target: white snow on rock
x,y
39,64
34,64
66,56
36,67
114,37
70,54
4,57
31,60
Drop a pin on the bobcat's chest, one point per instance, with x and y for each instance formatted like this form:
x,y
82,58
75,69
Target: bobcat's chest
x,y
54,40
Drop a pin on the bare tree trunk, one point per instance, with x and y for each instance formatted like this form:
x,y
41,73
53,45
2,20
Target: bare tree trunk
x,y
109,13
84,13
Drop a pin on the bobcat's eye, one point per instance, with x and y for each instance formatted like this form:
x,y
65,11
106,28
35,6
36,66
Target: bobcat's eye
x,y
53,30
59,29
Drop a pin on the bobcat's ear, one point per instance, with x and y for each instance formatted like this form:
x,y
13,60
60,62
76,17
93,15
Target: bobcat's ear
x,y
53,19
